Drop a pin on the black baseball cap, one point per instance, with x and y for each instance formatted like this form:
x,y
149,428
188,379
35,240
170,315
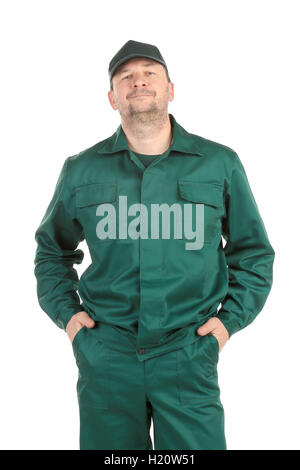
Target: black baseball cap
x,y
133,49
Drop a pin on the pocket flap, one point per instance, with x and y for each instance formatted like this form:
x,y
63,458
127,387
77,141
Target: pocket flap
x,y
205,193
95,193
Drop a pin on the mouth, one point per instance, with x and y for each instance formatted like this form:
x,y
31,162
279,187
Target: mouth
x,y
139,96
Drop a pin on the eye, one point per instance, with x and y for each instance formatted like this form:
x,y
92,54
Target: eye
x,y
126,76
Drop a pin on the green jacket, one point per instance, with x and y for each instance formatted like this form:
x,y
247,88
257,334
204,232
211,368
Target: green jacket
x,y
154,290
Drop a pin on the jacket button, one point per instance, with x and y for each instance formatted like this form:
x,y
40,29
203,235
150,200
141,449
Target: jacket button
x,y
141,351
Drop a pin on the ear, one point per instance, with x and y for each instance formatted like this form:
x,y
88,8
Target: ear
x,y
171,91
112,99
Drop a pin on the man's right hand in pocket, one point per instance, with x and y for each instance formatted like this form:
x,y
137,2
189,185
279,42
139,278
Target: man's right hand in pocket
x,y
76,322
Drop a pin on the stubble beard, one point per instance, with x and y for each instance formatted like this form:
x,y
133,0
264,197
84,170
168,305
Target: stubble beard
x,y
140,117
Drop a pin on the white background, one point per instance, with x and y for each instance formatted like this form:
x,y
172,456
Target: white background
x,y
235,69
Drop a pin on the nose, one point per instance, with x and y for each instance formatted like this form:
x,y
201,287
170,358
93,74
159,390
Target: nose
x,y
139,80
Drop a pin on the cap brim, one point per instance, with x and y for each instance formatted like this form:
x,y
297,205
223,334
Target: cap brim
x,y
131,56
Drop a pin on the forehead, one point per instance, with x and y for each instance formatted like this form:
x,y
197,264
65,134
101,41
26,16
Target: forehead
x,y
137,61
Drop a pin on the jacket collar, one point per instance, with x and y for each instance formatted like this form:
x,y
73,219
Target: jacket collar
x,y
182,141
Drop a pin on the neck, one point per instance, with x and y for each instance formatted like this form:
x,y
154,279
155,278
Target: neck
x,y
150,138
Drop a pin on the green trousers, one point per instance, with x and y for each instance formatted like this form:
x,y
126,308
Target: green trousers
x,y
118,395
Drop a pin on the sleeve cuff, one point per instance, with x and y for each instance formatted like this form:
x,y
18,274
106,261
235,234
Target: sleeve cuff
x,y
64,316
231,324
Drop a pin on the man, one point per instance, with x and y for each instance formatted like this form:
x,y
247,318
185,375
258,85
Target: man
x,y
152,202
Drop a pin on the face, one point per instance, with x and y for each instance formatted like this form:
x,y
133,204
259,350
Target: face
x,y
141,89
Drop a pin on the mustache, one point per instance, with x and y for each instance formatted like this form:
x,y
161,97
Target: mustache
x,y
139,93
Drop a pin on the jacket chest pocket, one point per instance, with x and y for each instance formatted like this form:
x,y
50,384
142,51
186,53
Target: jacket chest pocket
x,y
202,206
96,210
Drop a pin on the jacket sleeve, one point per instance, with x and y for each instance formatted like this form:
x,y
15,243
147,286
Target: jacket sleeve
x,y
249,254
57,237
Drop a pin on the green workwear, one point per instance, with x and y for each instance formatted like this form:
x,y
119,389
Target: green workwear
x,y
154,290
171,239
118,395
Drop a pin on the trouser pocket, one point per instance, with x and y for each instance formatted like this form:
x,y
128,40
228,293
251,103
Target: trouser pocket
x,y
215,342
197,371
92,359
